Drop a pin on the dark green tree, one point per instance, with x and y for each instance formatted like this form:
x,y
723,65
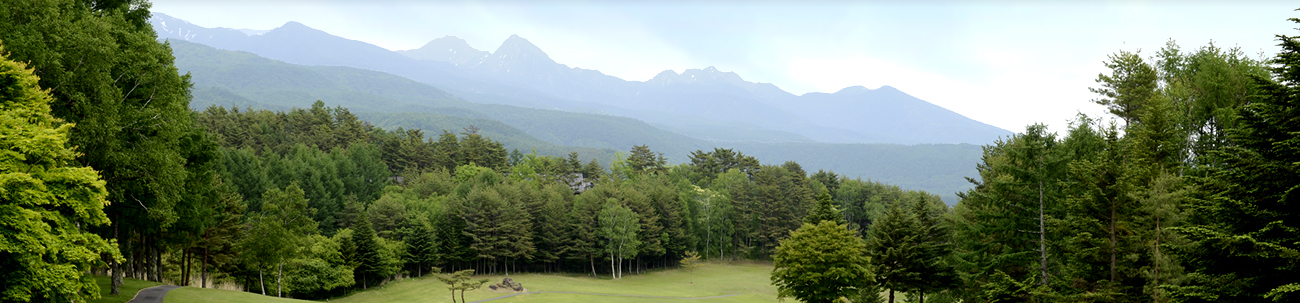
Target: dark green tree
x,y
825,211
893,247
367,258
1243,231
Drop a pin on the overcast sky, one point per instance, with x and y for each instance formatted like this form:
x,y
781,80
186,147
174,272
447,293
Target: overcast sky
x,y
1006,63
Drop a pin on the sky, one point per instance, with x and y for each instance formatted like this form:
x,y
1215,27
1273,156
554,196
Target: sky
x,y
1006,63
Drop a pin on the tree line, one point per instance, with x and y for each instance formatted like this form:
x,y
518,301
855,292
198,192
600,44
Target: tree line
x,y
1184,193
1182,196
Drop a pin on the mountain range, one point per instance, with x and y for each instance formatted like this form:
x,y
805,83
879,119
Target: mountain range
x,y
703,103
519,96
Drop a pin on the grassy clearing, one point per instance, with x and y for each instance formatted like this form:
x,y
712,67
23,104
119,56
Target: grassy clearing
x,y
128,290
206,295
749,279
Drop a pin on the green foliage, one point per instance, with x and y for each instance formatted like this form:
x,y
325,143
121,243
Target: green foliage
x,y
1129,88
1243,233
825,211
367,254
48,199
618,229
821,263
278,233
690,262
893,247
320,271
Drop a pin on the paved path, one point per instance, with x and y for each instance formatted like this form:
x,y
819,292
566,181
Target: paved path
x,y
152,295
600,294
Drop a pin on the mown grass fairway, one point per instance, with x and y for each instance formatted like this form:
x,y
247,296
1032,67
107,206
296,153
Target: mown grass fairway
x,y
208,295
747,279
128,290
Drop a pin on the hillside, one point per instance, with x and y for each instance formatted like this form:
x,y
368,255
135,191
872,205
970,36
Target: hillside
x,y
701,103
243,79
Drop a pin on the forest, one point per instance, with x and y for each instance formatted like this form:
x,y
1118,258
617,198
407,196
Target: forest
x,y
1181,194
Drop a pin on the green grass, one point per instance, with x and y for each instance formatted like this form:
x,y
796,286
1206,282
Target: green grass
x,y
205,295
128,290
748,279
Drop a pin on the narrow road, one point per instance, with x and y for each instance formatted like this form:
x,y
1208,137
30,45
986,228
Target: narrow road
x,y
600,294
153,294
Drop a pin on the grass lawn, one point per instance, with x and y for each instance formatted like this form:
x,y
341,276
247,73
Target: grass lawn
x,y
204,295
748,279
128,290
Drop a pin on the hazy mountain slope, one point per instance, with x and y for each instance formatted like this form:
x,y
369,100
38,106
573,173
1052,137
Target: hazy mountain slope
x,y
238,78
297,43
228,77
852,115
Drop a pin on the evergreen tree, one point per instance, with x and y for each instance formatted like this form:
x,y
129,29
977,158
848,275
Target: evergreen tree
x,y
1129,87
894,251
934,249
1243,235
825,211
367,259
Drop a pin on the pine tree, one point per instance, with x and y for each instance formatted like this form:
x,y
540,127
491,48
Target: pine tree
x,y
934,249
367,263
893,248
825,211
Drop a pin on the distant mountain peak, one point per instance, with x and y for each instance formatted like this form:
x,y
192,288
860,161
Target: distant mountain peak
x,y
450,49
518,56
518,46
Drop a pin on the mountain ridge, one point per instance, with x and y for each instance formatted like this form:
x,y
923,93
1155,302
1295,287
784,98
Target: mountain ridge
x,y
702,103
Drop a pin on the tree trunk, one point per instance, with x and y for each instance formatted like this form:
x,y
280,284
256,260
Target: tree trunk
x,y
203,272
261,281
157,261
185,267
117,264
891,295
612,272
279,276
592,259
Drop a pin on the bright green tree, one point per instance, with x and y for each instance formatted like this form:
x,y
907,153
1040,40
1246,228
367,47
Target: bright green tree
x,y
619,226
108,74
48,199
277,234
821,263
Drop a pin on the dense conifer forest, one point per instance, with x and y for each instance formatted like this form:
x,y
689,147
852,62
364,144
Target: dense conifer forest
x,y
1185,192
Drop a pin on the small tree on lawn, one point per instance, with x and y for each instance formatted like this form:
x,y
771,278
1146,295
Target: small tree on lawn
x,y
690,262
